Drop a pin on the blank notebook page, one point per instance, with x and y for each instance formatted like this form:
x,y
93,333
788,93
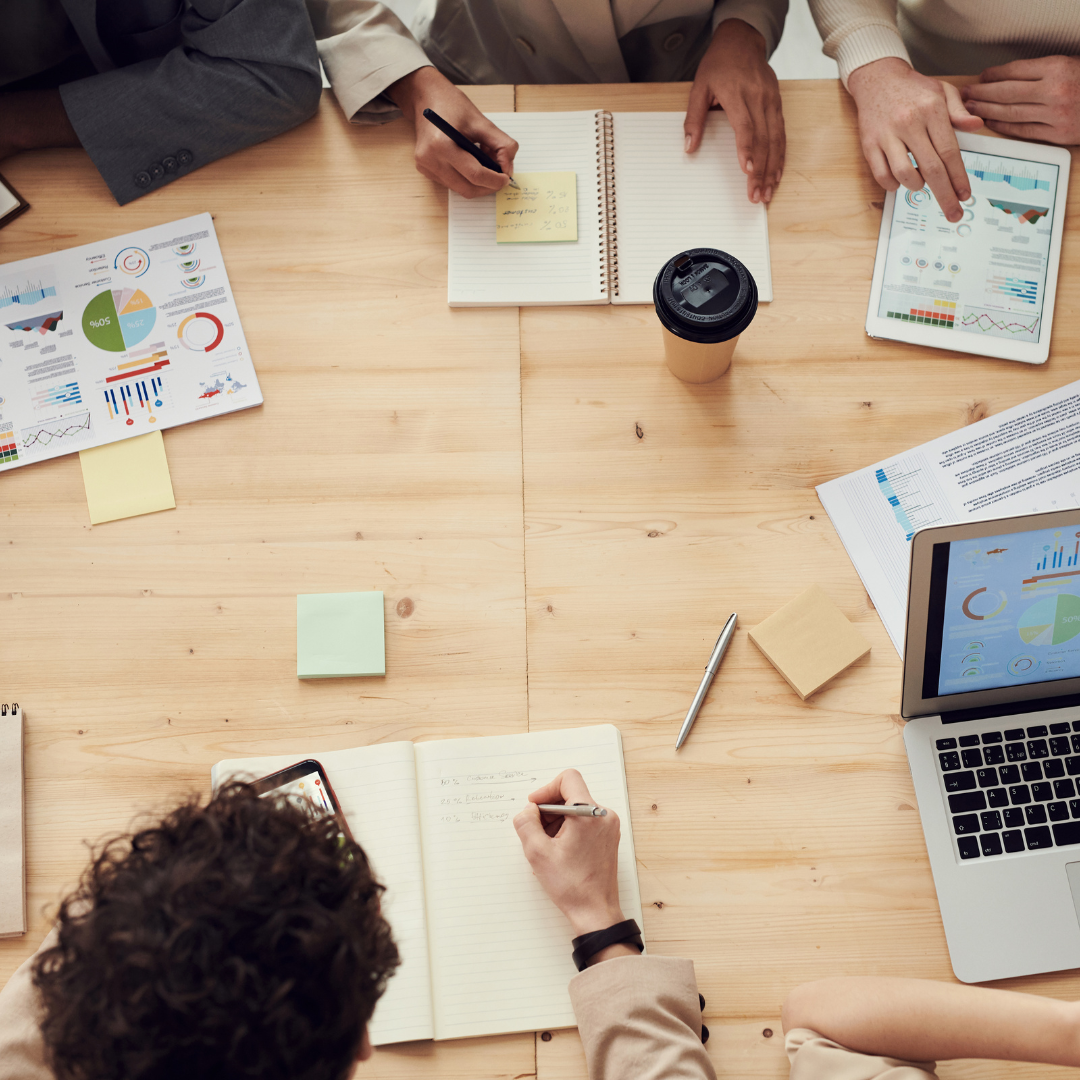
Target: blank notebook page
x,y
668,201
500,949
376,787
484,273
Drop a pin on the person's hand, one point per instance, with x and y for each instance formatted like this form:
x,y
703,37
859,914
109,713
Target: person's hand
x,y
575,859
1030,99
437,156
31,119
734,73
902,112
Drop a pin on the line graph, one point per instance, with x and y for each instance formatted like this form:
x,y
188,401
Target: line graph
x,y
73,429
1000,323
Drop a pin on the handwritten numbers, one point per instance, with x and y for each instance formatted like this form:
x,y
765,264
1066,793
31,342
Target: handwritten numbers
x,y
542,210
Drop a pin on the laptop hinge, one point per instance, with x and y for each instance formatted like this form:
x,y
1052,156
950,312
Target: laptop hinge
x,y
1012,708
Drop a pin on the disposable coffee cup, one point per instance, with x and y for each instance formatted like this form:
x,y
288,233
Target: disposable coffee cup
x,y
704,299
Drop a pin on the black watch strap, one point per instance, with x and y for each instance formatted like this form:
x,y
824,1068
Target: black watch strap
x,y
588,945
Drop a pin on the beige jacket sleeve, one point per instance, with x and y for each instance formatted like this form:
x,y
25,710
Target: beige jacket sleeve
x,y
364,47
639,1016
858,32
22,1050
813,1057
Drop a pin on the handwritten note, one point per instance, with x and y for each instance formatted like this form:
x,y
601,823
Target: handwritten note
x,y
543,209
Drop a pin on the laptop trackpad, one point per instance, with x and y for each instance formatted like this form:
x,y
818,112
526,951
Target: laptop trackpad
x,y
1073,870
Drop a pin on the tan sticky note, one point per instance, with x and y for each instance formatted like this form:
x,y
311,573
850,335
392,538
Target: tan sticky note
x,y
809,641
542,209
128,478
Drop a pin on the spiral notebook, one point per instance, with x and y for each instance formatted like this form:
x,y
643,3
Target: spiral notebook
x,y
484,951
640,197
12,824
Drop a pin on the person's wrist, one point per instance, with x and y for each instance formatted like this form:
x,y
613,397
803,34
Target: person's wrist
x,y
741,34
887,67
589,920
409,91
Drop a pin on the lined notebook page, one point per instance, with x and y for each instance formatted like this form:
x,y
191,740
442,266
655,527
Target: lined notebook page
x,y
483,273
500,949
376,787
668,201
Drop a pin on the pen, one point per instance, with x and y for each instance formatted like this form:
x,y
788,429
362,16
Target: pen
x,y
578,809
722,642
465,143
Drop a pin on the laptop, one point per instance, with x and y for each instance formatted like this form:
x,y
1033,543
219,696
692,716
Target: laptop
x,y
992,693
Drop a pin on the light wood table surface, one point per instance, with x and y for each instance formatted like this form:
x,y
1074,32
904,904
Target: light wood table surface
x,y
560,528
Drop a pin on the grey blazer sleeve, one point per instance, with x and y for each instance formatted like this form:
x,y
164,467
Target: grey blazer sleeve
x,y
244,71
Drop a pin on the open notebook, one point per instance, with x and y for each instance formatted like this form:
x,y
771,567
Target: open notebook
x,y
484,951
640,198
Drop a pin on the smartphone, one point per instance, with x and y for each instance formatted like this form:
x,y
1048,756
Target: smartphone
x,y
305,785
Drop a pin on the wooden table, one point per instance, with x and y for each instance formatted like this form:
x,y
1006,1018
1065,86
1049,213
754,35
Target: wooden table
x,y
560,528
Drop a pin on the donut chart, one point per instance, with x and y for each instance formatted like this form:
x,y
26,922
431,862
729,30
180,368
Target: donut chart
x,y
201,332
132,261
118,319
984,604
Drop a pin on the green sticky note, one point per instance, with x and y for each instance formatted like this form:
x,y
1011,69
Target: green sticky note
x,y
339,634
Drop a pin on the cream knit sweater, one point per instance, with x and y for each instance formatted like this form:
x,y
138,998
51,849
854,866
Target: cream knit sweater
x,y
946,37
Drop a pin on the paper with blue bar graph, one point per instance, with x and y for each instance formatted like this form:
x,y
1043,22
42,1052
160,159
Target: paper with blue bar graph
x,y
118,338
1024,460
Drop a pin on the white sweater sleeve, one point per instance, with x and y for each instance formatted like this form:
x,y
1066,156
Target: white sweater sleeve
x,y
858,32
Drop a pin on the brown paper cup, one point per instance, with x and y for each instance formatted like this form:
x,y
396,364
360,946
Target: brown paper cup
x,y
696,363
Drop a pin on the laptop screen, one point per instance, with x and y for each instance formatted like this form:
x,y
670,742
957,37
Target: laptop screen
x,y
1004,611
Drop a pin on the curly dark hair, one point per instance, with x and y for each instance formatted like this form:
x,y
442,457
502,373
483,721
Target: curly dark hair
x,y
234,939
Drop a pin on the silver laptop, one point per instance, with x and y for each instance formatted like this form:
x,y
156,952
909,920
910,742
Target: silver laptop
x,y
992,692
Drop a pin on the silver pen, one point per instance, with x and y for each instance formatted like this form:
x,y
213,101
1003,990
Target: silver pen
x,y
722,642
578,809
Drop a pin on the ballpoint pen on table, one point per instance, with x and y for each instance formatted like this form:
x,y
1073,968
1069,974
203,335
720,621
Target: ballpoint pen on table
x,y
464,142
722,642
578,809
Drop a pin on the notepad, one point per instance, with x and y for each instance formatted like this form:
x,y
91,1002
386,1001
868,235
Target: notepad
x,y
339,634
641,200
542,209
12,846
128,478
484,951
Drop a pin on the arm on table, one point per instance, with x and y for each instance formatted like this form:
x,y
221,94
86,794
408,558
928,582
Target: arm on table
x,y
638,1015
22,1049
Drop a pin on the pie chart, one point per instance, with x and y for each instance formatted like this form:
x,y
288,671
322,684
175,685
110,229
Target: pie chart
x,y
118,319
201,332
1051,621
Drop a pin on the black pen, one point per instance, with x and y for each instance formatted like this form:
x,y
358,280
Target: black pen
x,y
466,144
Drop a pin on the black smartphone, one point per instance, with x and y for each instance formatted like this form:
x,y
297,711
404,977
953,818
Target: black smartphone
x,y
305,784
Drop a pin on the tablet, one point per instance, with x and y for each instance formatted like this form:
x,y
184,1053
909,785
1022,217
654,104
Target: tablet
x,y
986,284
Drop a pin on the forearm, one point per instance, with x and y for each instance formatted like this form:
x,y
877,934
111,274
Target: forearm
x,y
921,1020
32,119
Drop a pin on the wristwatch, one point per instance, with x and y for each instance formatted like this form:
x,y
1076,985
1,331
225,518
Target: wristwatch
x,y
588,945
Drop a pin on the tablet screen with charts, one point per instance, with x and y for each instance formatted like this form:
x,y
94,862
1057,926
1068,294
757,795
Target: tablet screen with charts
x,y
986,283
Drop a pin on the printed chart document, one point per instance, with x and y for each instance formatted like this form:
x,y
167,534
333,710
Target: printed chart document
x,y
118,338
1024,460
484,951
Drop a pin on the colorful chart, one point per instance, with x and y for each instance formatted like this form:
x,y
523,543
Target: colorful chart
x,y
118,319
1000,323
193,281
73,429
1023,666
1021,211
985,604
998,171
918,198
201,332
8,450
29,293
41,323
1051,621
132,261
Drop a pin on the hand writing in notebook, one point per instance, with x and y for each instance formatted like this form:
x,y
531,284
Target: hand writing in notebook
x,y
734,73
575,858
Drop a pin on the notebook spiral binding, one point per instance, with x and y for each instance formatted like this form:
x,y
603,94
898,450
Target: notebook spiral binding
x,y
605,202
14,709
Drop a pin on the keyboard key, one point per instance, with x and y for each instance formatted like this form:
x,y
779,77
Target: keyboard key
x,y
959,781
1059,729
991,819
966,802
1014,751
969,847
1041,792
972,759
1059,747
1072,765
1066,834
1037,748
1031,770
969,740
1074,807
1000,797
1037,731
1014,818
1013,841
1063,789
991,737
1076,725
946,744
1010,774
950,761
1039,837
1058,811
987,777
1053,768
967,823
994,755
991,844
1076,744
1036,815
1017,733
1019,794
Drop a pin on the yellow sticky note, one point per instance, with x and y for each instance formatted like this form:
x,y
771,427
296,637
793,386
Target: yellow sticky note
x,y
542,210
127,478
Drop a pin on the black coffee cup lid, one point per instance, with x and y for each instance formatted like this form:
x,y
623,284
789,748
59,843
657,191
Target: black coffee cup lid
x,y
705,293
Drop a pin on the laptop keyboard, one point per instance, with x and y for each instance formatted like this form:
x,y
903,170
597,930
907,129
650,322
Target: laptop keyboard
x,y
1012,790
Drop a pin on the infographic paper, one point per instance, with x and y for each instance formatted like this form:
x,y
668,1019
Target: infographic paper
x,y
119,338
